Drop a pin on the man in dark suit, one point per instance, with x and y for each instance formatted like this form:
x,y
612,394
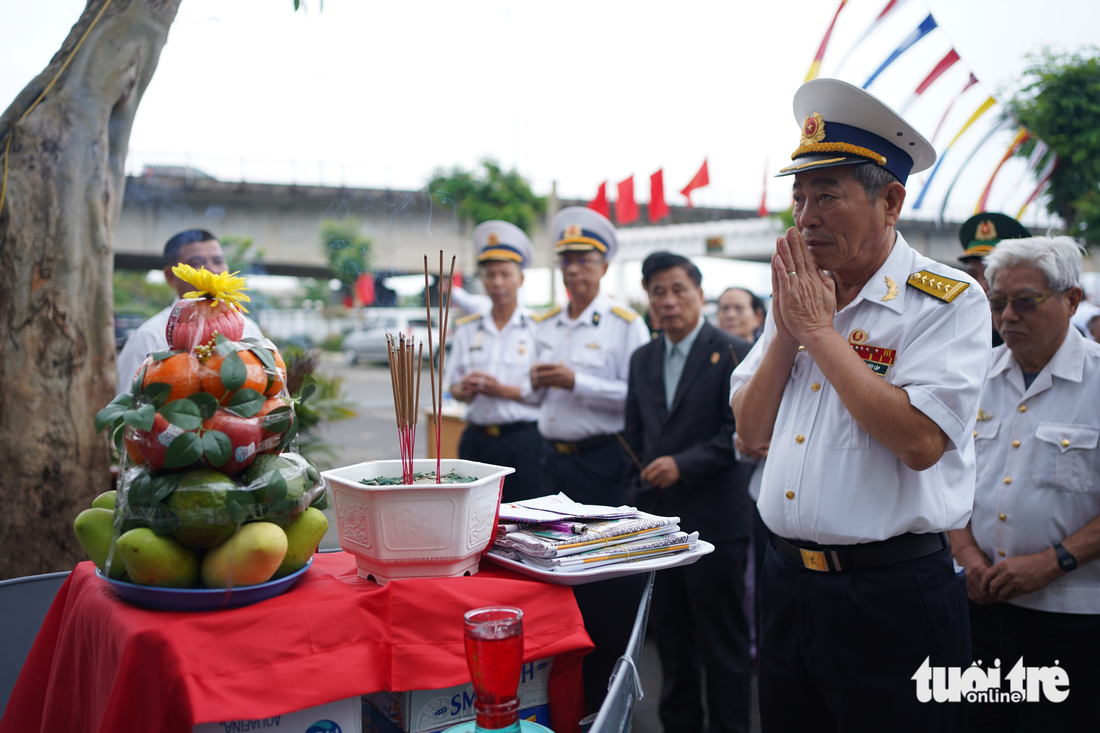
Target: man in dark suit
x,y
680,425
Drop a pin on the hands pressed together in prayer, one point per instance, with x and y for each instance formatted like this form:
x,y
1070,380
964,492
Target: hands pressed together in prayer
x,y
803,296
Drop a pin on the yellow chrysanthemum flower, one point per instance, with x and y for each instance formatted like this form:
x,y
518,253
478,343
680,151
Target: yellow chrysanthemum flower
x,y
224,287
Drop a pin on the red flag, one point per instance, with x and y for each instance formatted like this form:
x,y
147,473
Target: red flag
x,y
364,286
763,210
815,67
658,209
701,179
626,208
600,204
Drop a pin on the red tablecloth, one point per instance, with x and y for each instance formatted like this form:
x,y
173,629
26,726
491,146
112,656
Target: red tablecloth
x,y
101,664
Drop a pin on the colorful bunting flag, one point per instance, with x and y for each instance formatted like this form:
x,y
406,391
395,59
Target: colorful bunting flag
x,y
945,63
658,209
969,83
890,7
815,67
702,178
1044,181
600,204
626,208
1020,139
927,26
997,127
977,113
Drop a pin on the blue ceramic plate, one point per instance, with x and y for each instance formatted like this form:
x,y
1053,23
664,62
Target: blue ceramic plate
x,y
201,599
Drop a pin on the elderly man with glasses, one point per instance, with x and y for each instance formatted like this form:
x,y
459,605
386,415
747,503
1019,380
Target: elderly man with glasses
x,y
1029,551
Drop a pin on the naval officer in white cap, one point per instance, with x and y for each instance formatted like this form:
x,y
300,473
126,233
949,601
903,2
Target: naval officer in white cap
x,y
581,376
584,364
864,388
489,365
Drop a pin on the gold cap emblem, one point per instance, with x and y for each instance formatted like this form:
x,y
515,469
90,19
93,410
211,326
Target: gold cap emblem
x,y
493,239
573,230
986,231
813,129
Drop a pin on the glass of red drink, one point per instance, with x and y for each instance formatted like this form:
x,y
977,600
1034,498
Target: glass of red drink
x,y
494,655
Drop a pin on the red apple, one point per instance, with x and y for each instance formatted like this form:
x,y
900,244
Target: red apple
x,y
269,441
153,444
244,435
194,321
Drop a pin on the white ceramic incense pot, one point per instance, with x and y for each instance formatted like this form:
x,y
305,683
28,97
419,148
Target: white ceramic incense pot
x,y
417,531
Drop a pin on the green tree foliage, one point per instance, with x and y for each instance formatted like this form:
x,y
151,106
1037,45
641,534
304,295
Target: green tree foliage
x,y
135,294
348,251
240,252
1060,104
490,194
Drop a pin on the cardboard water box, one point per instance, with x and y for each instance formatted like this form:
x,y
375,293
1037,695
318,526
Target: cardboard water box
x,y
342,716
426,711
375,721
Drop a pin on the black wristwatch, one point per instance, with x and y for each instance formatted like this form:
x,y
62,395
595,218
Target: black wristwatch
x,y
1066,560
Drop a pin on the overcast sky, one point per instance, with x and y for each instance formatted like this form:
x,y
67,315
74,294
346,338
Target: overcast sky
x,y
380,94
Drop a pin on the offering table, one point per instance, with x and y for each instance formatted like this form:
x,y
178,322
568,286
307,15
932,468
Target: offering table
x,y
101,664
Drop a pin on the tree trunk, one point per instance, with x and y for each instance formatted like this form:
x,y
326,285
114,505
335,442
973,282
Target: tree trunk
x,y
65,183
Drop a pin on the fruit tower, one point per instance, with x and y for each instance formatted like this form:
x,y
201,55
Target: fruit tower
x,y
210,490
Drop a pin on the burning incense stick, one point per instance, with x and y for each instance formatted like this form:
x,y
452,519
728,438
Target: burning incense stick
x,y
405,378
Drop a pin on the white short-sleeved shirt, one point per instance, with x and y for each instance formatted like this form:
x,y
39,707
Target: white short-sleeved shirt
x,y
1038,476
506,354
148,337
597,347
826,480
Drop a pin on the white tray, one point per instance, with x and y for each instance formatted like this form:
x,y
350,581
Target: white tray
x,y
607,572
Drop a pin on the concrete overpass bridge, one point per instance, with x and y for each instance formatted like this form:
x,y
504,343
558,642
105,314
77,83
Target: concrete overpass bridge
x,y
284,221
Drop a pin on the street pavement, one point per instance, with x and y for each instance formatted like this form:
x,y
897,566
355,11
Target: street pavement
x,y
372,435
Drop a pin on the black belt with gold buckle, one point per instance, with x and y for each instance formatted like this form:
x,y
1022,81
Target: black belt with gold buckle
x,y
833,558
495,431
567,448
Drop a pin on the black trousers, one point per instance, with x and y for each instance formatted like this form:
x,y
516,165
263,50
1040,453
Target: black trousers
x,y
838,650
521,449
698,619
1043,638
608,606
592,477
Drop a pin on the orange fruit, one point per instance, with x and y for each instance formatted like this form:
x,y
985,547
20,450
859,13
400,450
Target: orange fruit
x,y
279,380
181,372
132,450
212,375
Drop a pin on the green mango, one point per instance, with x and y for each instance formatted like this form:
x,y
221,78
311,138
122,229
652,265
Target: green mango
x,y
93,529
106,500
302,537
285,511
159,561
250,557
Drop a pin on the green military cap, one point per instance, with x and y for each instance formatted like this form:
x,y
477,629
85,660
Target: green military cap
x,y
981,233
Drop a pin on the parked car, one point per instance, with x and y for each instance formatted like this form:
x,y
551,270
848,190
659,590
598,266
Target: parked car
x,y
368,341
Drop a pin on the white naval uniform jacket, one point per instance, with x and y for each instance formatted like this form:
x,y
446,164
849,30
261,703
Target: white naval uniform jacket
x,y
506,354
597,347
1038,477
826,479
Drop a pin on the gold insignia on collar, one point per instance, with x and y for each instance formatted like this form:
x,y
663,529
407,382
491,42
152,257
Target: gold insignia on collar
x,y
858,336
937,286
813,129
573,230
986,231
467,319
714,358
983,415
891,289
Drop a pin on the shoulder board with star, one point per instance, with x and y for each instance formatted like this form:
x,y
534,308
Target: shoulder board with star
x,y
545,315
468,319
624,313
937,286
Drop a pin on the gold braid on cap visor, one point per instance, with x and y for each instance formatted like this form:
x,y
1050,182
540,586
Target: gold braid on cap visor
x,y
594,243
499,254
839,148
